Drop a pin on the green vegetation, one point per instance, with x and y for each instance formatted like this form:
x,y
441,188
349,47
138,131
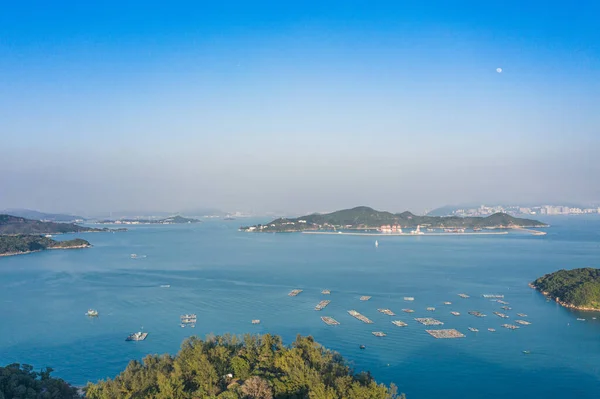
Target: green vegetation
x,y
20,244
257,367
18,225
363,217
579,288
21,382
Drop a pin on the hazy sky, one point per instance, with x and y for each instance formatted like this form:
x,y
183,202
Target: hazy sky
x,y
297,106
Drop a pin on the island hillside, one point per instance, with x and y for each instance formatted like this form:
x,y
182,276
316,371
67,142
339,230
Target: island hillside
x,y
577,288
23,244
250,367
169,220
363,217
18,225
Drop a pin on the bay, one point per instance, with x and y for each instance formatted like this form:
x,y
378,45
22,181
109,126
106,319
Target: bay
x,y
229,278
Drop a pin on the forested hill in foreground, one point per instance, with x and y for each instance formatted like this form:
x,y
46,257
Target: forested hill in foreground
x,y
577,288
363,217
227,367
21,381
18,225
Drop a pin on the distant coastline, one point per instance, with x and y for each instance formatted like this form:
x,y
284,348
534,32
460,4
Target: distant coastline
x,y
365,218
487,233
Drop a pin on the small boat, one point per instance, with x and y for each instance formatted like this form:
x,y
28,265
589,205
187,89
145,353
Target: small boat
x,y
362,347
138,336
527,352
409,298
192,325
165,286
473,329
455,313
91,313
133,256
580,319
376,244
491,329
182,325
447,303
255,321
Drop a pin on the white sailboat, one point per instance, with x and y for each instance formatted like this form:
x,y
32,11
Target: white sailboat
x,y
376,244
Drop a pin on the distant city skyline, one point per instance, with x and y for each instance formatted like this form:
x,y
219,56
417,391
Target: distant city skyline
x,y
292,108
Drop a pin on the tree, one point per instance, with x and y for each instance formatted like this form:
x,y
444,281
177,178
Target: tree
x,y
257,388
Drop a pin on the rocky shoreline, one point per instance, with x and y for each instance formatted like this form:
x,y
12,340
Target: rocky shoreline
x,y
564,304
40,250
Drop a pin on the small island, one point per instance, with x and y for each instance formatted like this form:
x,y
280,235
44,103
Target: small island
x,y
25,244
576,289
169,220
13,225
365,218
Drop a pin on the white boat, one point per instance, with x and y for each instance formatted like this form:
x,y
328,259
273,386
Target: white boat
x,y
376,244
138,336
580,319
91,313
473,329
133,256
165,286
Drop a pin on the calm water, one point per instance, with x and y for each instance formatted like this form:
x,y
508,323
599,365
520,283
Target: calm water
x,y
229,278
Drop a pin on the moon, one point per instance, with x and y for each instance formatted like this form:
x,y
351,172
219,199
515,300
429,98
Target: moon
x,y
499,70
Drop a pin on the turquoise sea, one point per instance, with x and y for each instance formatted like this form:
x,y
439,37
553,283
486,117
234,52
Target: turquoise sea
x,y
229,278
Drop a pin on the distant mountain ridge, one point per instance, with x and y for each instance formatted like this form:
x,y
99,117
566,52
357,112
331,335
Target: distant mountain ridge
x,y
11,225
364,217
37,215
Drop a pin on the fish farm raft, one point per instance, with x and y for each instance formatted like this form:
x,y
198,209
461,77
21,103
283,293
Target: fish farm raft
x,y
445,334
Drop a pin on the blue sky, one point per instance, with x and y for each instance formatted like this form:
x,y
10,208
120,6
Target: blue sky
x,y
297,106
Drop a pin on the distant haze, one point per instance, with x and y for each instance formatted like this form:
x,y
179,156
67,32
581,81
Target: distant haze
x,y
292,109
